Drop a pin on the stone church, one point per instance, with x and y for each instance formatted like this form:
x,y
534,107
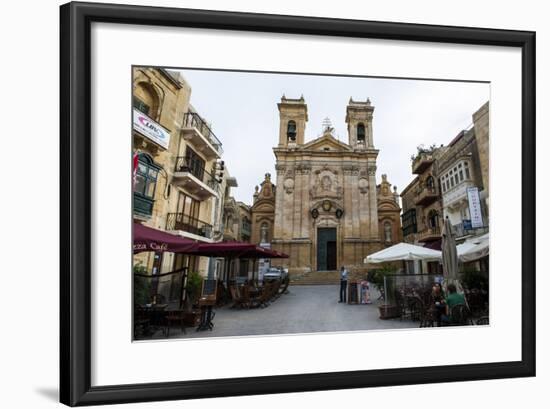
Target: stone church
x,y
327,210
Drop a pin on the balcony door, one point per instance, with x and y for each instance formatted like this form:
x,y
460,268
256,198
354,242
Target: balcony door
x,y
187,213
195,163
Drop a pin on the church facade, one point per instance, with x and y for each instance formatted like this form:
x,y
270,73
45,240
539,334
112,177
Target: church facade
x,y
328,209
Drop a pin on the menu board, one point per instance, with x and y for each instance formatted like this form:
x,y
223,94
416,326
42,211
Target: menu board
x,y
209,290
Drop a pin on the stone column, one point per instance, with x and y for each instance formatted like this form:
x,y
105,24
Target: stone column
x,y
278,232
373,205
304,197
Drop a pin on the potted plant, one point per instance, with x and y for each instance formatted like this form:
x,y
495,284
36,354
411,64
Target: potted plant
x,y
389,309
142,285
192,294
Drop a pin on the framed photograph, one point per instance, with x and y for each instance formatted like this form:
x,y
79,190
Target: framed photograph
x,y
255,204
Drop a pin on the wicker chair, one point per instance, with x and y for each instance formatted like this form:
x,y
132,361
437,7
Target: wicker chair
x,y
176,317
460,315
483,321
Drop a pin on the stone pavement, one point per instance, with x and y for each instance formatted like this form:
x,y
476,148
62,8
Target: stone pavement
x,y
304,309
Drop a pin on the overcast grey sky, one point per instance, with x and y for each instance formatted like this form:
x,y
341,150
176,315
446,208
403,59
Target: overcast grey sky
x,y
242,109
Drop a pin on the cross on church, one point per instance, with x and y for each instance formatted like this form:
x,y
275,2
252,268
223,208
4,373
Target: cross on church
x,y
327,125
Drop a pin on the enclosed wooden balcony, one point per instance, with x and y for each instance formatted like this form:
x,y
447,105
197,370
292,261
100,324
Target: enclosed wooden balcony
x,y
422,162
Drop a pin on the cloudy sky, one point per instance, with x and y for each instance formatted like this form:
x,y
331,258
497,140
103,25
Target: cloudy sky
x,y
242,109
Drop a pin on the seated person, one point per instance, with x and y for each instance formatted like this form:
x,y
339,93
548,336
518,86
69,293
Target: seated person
x,y
452,299
438,302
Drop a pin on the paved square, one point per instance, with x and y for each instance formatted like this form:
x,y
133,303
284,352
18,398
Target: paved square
x,y
304,309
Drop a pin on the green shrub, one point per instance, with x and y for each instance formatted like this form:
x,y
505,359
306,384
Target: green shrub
x,y
193,287
142,285
376,277
474,279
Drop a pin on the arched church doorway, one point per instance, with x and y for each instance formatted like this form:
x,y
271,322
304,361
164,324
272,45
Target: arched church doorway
x,y
326,249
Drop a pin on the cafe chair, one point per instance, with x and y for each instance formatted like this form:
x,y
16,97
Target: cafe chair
x,y
175,317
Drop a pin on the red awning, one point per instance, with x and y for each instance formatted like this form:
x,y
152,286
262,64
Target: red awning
x,y
236,249
149,239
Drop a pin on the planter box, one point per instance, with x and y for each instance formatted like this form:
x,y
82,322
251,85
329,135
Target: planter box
x,y
192,319
388,311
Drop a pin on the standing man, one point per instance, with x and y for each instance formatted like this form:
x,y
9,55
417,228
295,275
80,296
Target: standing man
x,y
343,283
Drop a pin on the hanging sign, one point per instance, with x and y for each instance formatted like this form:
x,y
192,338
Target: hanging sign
x,y
150,129
475,207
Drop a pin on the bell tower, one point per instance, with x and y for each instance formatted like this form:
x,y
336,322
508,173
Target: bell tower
x,y
359,120
293,118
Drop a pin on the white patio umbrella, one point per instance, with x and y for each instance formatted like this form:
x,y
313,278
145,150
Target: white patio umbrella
x,y
473,249
448,247
450,258
403,251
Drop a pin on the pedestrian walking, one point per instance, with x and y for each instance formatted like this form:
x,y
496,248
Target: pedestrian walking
x,y
343,284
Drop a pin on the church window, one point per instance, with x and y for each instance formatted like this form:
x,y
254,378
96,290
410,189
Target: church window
x,y
264,233
291,131
387,232
360,132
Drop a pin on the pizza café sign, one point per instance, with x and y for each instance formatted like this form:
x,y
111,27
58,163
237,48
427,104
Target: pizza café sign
x,y
151,247
150,129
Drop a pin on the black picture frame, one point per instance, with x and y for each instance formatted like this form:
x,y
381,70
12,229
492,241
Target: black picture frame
x,y
76,198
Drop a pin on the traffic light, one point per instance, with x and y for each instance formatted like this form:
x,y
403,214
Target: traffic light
x,y
220,169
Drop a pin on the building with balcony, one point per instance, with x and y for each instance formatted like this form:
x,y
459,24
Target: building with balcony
x,y
450,181
237,218
178,172
422,214
461,181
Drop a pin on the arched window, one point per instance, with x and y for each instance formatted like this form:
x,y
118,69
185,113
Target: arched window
x,y
430,183
433,219
291,131
146,176
387,232
146,100
264,233
360,132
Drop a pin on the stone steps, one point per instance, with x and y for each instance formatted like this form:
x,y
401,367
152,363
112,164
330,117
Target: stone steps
x,y
316,278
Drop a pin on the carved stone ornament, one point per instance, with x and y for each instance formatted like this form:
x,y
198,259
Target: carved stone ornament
x,y
303,168
288,185
371,170
325,185
351,170
280,169
363,185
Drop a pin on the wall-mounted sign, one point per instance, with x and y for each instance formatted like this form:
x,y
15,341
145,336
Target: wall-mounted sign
x,y
475,207
150,129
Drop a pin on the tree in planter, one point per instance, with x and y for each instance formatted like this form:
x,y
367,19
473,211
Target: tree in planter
x,y
193,289
142,285
389,308
376,277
